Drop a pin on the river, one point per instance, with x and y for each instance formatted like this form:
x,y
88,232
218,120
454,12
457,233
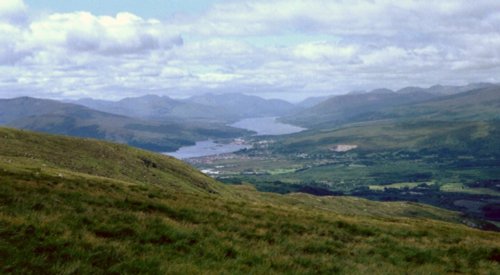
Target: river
x,y
261,125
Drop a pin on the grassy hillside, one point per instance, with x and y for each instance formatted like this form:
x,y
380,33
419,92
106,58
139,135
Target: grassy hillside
x,y
74,120
458,137
70,205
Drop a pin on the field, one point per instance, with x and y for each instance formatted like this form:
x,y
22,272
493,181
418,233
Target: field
x,y
456,160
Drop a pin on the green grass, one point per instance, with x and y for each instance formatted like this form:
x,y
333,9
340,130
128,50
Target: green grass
x,y
387,153
461,188
81,206
280,171
473,137
398,185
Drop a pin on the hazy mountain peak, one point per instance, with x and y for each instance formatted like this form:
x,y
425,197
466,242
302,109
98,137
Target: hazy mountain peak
x,y
357,92
411,89
240,105
382,91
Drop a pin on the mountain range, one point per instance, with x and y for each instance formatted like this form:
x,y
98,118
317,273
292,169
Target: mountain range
x,y
161,123
218,107
75,120
408,103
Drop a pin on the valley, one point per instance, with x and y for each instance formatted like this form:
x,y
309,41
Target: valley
x,y
426,179
75,205
423,158
437,146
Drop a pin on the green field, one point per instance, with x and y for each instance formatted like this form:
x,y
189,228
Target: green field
x,y
398,185
388,153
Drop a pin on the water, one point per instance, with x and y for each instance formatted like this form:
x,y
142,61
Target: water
x,y
266,126
261,125
206,148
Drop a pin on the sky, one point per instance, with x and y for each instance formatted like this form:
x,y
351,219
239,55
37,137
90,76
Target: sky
x,y
291,49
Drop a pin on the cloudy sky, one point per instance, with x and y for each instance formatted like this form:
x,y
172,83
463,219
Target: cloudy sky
x,y
284,48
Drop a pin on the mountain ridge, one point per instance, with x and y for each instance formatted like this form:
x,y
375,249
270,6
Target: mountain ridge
x,y
76,120
385,104
227,107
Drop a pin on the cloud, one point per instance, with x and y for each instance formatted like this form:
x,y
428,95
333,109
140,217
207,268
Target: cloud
x,y
318,51
385,56
13,11
285,47
10,52
217,77
173,73
351,18
83,32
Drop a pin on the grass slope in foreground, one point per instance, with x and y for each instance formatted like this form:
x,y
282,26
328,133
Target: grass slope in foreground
x,y
70,205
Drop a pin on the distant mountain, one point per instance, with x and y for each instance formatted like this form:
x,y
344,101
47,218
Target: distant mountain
x,y
353,107
382,91
146,106
16,108
451,90
154,107
477,104
446,90
311,101
224,107
244,106
440,102
75,120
